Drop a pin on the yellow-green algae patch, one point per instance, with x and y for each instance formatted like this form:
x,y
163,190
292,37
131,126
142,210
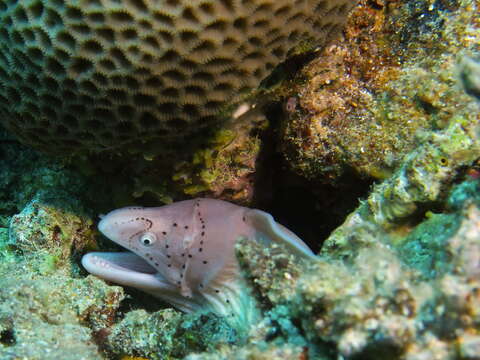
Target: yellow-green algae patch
x,y
226,166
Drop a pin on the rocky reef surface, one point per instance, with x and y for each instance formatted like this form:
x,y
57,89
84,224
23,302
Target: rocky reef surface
x,y
399,279
361,104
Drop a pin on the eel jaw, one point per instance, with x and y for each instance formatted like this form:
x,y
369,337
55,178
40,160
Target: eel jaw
x,y
124,268
128,269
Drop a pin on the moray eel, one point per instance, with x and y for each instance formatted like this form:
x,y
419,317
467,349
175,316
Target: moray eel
x,y
184,253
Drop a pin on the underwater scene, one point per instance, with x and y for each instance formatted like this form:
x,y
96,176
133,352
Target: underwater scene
x,y
239,179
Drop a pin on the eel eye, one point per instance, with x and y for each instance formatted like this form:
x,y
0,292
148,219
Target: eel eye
x,y
148,239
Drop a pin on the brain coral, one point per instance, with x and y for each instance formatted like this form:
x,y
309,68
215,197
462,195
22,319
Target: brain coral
x,y
93,74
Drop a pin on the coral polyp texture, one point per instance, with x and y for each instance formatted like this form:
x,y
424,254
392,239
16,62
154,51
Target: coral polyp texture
x,y
99,74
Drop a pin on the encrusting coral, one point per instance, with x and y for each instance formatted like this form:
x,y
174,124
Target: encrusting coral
x,y
25,173
45,313
422,180
52,225
382,301
228,165
363,100
399,279
82,76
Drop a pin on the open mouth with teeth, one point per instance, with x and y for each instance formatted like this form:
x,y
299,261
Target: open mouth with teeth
x,y
124,268
128,269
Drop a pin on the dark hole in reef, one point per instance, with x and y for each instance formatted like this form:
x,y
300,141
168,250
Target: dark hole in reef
x,y
313,214
153,81
96,17
228,4
144,100
429,108
174,75
100,78
106,34
81,65
421,213
118,95
287,69
81,29
89,87
119,56
173,3
205,46
126,112
166,36
378,350
170,92
125,128
129,34
55,67
131,83
311,209
62,55
74,13
20,15
145,25
150,40
7,337
207,9
66,39
148,120
171,56
121,17
101,114
163,19
188,36
189,15
218,25
195,90
203,76
371,3
139,5
107,65
140,300
93,47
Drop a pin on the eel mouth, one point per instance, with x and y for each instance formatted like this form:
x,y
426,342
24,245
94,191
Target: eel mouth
x,y
124,268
